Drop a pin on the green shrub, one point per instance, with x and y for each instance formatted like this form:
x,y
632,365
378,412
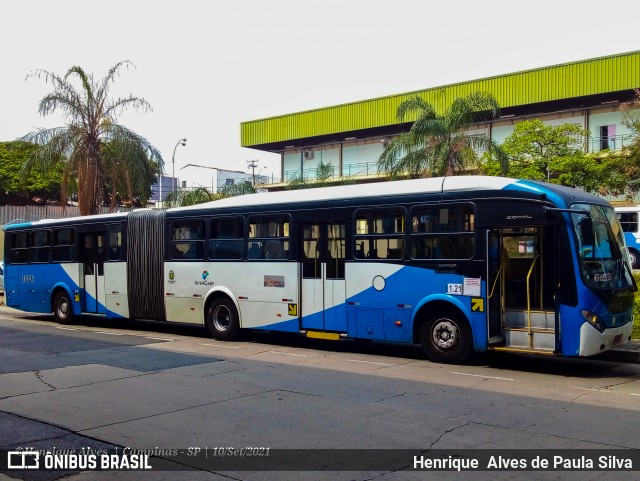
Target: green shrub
x,y
635,334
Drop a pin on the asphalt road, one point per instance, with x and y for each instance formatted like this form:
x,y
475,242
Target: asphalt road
x,y
144,385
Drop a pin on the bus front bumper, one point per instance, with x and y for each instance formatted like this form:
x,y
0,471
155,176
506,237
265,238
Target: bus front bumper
x,y
593,342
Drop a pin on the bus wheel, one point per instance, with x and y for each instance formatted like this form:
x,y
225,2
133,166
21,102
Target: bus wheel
x,y
222,319
62,308
634,257
446,339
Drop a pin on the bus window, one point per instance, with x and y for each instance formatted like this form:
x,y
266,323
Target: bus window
x,y
115,251
268,237
379,234
336,250
41,246
187,239
226,238
63,245
443,232
19,245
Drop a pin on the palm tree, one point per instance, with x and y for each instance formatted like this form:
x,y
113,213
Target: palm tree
x,y
127,169
91,122
436,144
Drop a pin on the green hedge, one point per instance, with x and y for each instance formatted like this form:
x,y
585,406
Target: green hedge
x,y
635,334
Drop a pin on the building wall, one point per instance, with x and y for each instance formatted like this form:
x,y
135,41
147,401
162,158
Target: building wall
x,y
359,158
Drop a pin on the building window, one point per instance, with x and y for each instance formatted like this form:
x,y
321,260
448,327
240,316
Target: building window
x,y
607,137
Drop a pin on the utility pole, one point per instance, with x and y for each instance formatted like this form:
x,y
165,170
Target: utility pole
x,y
252,164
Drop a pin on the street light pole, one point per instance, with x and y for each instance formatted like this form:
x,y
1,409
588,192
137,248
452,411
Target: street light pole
x,y
182,142
252,164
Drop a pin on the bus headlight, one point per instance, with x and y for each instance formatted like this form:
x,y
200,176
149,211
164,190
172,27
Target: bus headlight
x,y
593,319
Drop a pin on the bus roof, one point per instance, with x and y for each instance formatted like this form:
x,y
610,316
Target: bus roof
x,y
435,185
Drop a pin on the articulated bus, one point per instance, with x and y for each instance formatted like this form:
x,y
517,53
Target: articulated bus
x,y
455,264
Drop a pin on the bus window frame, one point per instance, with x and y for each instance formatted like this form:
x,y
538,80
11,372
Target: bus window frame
x,y
373,238
211,240
440,234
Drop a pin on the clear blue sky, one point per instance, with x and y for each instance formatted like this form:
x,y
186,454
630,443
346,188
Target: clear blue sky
x,y
207,65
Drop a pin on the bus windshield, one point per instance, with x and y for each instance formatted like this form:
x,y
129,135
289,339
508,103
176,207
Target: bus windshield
x,y
604,264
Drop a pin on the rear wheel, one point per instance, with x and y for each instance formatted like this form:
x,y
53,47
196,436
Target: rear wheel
x,y
634,257
446,338
63,308
222,320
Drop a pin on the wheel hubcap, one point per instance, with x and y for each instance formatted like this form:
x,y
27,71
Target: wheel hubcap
x,y
445,334
63,308
221,318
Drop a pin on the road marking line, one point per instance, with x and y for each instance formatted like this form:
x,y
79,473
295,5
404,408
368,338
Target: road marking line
x,y
290,354
220,345
371,362
482,376
67,328
158,338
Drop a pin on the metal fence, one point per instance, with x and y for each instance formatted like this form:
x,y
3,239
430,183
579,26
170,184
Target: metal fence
x,y
9,213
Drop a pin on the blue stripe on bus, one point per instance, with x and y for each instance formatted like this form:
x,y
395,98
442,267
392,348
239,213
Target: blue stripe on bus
x,y
375,313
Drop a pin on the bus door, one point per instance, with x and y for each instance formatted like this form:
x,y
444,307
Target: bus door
x,y
93,256
523,280
323,290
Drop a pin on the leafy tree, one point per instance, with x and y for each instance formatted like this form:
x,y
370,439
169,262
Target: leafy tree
x,y
437,144
631,119
539,151
31,183
91,122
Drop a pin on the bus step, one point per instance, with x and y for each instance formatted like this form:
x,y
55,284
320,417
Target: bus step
x,y
539,319
544,339
545,352
331,336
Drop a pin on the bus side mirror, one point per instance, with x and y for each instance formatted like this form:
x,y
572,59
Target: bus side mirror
x,y
586,231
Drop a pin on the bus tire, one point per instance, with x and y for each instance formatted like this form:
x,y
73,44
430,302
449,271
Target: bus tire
x,y
222,320
63,308
446,338
634,257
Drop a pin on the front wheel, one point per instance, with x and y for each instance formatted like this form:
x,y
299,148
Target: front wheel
x,y
446,339
222,320
634,257
63,308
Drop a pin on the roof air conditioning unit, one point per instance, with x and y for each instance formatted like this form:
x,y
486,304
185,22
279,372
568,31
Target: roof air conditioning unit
x,y
308,154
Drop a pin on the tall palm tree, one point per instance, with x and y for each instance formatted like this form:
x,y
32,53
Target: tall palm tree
x,y
91,121
127,169
437,144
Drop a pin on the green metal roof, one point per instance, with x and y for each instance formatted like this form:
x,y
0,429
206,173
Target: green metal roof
x,y
565,81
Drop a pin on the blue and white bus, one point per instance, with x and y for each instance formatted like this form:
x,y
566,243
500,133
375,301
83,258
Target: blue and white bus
x,y
455,264
629,217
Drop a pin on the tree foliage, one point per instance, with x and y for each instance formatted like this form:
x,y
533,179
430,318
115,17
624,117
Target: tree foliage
x,y
438,144
184,196
31,183
539,151
91,124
